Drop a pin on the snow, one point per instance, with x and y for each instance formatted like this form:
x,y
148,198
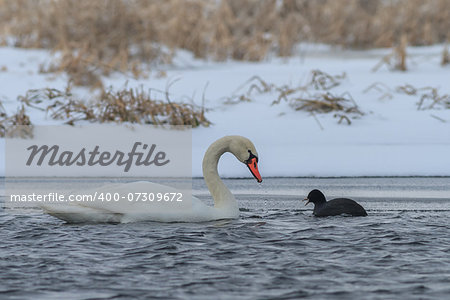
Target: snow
x,y
393,138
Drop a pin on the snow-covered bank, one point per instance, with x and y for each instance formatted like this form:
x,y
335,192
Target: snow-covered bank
x,y
392,138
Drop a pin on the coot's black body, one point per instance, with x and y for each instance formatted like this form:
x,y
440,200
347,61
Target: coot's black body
x,y
335,207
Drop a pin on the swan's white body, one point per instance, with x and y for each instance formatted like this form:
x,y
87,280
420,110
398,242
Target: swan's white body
x,y
123,211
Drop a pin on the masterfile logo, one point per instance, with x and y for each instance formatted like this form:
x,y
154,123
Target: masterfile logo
x,y
101,150
53,156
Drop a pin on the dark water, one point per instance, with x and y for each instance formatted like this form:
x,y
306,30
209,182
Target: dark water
x,y
276,250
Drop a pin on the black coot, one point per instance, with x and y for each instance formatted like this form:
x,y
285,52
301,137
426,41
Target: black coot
x,y
339,206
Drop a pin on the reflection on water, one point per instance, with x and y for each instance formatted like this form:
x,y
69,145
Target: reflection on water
x,y
277,249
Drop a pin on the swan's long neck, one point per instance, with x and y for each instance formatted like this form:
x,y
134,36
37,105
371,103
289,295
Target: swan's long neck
x,y
222,196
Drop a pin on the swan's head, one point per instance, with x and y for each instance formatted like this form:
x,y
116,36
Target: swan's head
x,y
316,197
245,152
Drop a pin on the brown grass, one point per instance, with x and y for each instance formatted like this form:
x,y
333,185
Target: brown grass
x,y
17,125
445,56
386,92
429,97
126,105
396,60
98,37
314,97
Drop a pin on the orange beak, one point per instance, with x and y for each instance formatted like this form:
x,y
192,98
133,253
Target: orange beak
x,y
253,167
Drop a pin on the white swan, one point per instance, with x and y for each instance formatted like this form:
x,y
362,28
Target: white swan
x,y
225,205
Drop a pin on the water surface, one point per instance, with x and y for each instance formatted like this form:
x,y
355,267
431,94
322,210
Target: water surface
x,y
277,249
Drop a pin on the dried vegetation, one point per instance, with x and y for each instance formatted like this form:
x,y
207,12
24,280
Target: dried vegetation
x,y
15,125
313,97
95,38
396,60
126,105
445,56
98,37
429,97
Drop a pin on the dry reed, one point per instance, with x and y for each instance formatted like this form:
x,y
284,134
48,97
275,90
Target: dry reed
x,y
17,125
386,92
126,105
314,97
445,56
396,60
98,37
429,97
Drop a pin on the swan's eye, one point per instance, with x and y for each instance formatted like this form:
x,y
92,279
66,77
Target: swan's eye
x,y
250,157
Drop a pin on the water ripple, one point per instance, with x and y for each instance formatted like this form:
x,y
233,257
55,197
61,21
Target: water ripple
x,y
282,253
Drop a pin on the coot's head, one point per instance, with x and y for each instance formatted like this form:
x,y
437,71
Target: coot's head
x,y
316,197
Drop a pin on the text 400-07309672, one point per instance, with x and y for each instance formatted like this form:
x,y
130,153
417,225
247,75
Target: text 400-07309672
x,y
98,196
